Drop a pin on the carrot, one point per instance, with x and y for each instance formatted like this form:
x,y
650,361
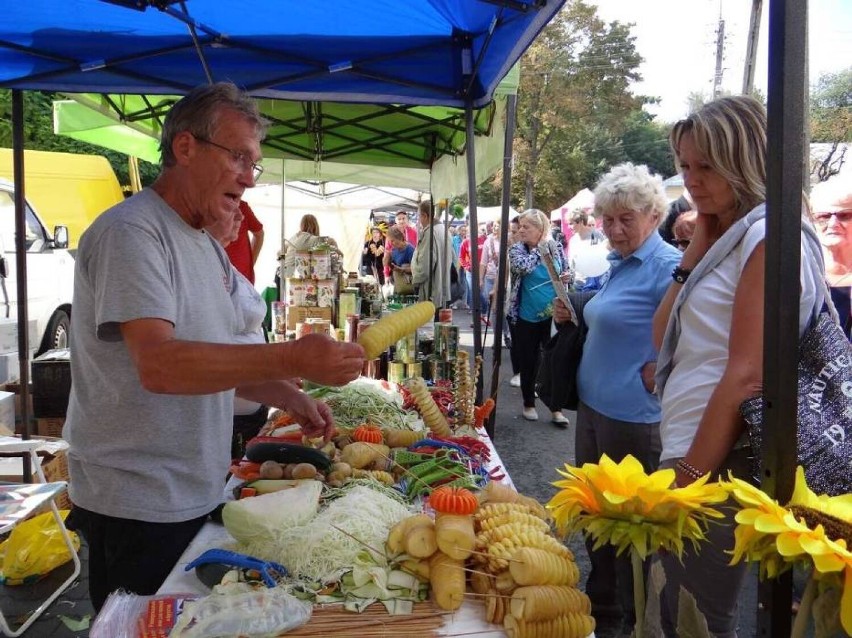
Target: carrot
x,y
368,433
481,413
453,500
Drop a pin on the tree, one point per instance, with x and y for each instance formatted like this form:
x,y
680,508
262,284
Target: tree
x,y
647,142
573,104
39,135
831,121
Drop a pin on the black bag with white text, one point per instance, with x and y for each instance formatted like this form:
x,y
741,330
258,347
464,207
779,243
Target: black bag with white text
x,y
824,415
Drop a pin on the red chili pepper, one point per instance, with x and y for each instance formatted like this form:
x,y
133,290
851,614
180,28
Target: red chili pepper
x,y
495,473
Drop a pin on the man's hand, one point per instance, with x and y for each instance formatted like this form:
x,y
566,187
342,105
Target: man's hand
x,y
321,359
314,416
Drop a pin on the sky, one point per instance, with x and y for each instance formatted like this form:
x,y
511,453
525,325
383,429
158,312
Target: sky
x,y
677,39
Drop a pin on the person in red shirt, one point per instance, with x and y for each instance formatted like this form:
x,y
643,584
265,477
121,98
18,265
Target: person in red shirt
x,y
243,251
464,260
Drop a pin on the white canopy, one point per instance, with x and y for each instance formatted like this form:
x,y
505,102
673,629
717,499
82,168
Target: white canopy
x,y
583,200
344,216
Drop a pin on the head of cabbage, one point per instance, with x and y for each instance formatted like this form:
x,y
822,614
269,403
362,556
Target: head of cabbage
x,y
262,518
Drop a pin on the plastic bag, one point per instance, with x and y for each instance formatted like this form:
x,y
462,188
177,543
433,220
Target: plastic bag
x,y
35,548
261,613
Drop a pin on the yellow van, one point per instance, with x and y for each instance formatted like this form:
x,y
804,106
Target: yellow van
x,y
67,189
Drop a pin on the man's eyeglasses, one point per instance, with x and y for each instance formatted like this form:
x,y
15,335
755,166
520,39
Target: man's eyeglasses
x,y
843,216
239,159
680,243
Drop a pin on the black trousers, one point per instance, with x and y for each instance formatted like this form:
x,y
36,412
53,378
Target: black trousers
x,y
246,427
135,556
527,339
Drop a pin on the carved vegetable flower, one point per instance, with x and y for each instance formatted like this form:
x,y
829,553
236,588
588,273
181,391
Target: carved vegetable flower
x,y
812,528
619,504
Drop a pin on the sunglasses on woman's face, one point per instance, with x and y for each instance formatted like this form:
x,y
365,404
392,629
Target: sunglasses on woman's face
x,y
843,216
682,244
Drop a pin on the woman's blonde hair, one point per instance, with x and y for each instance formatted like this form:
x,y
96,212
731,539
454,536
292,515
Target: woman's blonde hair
x,y
731,134
309,224
535,217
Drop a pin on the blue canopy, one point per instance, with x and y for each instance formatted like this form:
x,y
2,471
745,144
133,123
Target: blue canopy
x,y
427,52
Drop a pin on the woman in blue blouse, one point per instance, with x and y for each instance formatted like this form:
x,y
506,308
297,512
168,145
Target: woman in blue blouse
x,y
531,301
618,413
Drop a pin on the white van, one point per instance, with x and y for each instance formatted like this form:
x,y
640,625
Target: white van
x,y
50,277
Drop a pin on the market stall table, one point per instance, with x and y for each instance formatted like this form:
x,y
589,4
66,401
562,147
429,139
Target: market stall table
x,y
469,620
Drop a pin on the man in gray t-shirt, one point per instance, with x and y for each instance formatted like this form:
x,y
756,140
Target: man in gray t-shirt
x,y
154,366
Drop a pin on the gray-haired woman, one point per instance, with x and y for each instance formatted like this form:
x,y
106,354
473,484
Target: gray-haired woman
x,y
618,414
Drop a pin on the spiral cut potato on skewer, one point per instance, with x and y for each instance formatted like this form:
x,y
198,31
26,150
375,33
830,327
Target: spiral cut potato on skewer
x,y
531,566
429,410
393,327
506,518
545,602
465,390
565,626
490,510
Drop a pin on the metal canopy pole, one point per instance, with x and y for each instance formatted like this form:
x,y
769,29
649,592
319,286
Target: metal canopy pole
x,y
786,99
474,241
21,264
500,299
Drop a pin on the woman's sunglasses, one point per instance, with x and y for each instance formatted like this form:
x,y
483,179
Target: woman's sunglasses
x,y
680,243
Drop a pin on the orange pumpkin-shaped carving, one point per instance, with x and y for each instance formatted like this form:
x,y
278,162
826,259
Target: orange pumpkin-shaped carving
x,y
368,433
453,500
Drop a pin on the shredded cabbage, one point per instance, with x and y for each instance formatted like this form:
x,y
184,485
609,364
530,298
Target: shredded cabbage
x,y
319,552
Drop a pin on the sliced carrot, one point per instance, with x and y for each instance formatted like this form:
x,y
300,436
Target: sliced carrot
x,y
481,413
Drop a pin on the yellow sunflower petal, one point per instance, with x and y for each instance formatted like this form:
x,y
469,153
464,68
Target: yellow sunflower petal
x,y
846,602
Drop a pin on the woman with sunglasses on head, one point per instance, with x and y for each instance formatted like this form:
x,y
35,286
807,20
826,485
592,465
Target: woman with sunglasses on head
x,y
709,328
831,203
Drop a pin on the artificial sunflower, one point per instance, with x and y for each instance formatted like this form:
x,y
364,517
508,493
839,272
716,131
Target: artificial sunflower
x,y
619,504
811,528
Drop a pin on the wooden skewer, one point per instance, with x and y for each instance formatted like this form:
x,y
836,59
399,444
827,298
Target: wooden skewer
x,y
470,593
511,560
358,540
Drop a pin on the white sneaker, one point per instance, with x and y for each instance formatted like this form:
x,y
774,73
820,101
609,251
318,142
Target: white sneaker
x,y
515,381
560,420
530,414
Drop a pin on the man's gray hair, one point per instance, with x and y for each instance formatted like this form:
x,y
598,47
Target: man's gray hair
x,y
198,112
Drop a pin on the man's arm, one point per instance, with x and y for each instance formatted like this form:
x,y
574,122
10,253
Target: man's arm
x,y
167,365
256,244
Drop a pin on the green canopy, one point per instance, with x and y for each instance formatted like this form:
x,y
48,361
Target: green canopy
x,y
419,147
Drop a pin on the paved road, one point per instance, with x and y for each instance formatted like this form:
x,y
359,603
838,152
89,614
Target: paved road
x,y
531,452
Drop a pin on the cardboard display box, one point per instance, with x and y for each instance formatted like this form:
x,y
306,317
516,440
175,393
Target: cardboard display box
x,y
50,427
298,314
54,463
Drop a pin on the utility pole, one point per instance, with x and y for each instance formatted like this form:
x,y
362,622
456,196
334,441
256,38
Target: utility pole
x,y
751,47
720,50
